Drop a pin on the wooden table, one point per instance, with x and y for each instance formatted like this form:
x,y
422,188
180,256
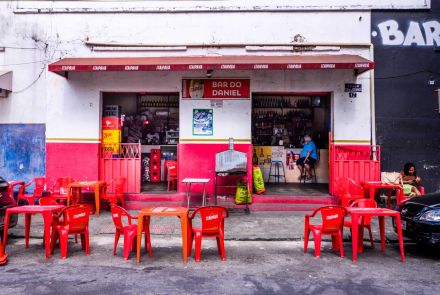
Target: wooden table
x,y
189,181
98,188
180,212
46,211
375,185
357,213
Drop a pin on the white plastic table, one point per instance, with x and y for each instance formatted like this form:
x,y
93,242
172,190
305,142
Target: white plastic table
x,y
189,181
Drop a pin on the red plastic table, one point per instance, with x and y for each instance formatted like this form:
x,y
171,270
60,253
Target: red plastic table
x,y
374,185
46,211
98,186
357,213
180,212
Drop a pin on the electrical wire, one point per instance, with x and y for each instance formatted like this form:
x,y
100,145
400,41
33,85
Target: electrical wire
x,y
24,48
33,82
407,75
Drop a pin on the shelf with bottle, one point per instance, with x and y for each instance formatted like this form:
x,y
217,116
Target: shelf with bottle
x,y
282,102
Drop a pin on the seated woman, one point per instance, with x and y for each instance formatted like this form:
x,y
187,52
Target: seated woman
x,y
410,180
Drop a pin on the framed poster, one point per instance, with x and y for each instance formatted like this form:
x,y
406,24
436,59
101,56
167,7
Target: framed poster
x,y
203,121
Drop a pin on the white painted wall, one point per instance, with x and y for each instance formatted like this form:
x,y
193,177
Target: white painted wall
x,y
231,120
71,108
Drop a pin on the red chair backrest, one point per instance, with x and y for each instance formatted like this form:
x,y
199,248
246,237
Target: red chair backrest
x,y
212,218
47,202
365,203
76,217
61,185
117,214
40,182
348,186
172,168
119,185
332,217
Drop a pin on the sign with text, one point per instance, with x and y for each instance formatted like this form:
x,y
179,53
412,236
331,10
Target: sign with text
x,y
216,89
351,87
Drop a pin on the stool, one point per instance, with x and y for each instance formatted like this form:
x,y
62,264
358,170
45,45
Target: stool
x,y
277,175
313,170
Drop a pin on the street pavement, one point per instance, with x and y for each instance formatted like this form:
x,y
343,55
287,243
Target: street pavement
x,y
264,256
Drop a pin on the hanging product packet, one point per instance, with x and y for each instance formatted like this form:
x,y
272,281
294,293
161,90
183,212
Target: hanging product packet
x,y
258,180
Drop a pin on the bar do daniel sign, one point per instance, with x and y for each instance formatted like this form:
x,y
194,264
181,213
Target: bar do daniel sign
x,y
216,88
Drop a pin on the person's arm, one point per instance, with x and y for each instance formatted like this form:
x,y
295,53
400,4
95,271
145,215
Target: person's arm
x,y
307,155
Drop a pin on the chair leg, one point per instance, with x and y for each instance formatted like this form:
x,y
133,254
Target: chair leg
x,y
341,246
87,242
198,246
169,181
371,235
76,238
63,236
317,240
117,235
306,239
83,241
221,243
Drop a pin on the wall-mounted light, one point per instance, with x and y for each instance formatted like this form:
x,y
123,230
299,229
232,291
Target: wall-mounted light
x,y
209,73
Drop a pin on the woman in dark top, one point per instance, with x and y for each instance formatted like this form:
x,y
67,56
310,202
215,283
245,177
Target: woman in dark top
x,y
410,180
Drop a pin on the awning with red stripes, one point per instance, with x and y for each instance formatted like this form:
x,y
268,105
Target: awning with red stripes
x,y
192,63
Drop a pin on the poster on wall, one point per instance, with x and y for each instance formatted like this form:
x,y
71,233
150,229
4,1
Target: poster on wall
x,y
291,157
203,122
227,88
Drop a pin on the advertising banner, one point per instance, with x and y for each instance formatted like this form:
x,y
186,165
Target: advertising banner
x,y
216,89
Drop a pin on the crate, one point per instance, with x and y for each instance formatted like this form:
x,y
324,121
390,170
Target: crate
x,y
154,176
155,154
112,111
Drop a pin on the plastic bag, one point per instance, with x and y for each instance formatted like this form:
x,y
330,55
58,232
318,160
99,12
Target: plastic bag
x,y
258,180
242,195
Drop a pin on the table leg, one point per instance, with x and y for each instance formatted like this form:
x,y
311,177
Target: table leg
x,y
400,235
204,195
139,238
184,225
97,189
27,228
354,235
69,193
382,231
215,189
5,229
188,188
47,218
361,236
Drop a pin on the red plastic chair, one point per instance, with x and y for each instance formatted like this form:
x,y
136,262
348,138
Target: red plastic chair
x,y
213,226
348,191
129,231
40,183
75,220
332,225
171,167
363,203
60,188
118,191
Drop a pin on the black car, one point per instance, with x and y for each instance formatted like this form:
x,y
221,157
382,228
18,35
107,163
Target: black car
x,y
6,201
421,219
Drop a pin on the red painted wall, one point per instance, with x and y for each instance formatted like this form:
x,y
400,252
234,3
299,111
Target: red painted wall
x,y
78,160
197,160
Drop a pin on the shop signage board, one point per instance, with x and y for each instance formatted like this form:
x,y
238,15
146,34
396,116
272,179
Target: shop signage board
x,y
111,123
216,89
203,122
352,87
